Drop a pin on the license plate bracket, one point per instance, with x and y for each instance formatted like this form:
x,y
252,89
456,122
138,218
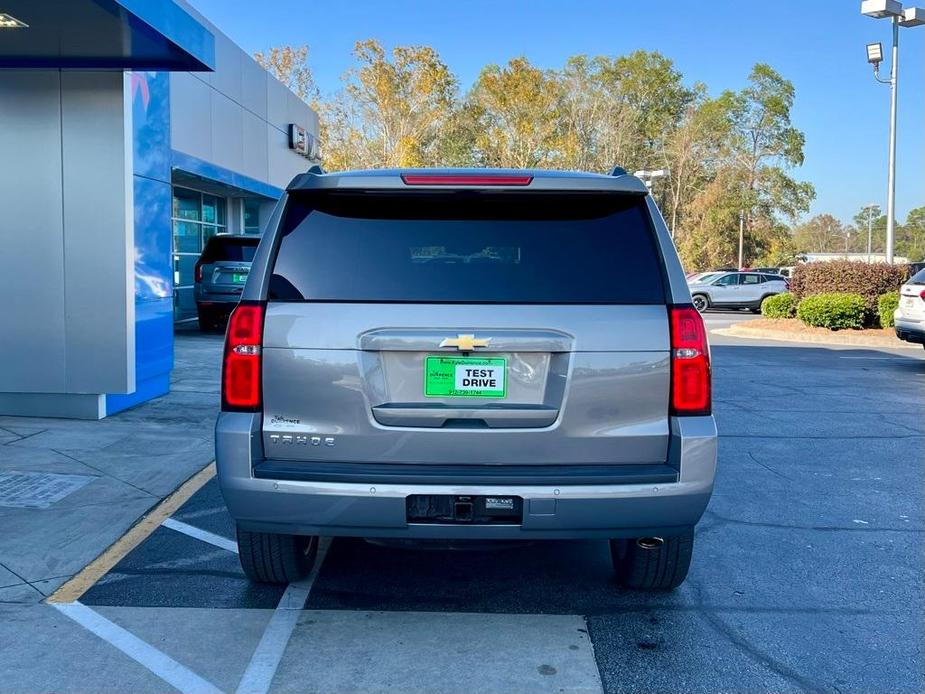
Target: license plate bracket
x,y
465,377
462,509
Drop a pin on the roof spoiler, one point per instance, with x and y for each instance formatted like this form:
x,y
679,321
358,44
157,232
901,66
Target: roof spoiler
x,y
618,181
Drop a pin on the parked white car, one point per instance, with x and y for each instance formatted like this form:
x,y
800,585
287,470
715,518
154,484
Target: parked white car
x,y
736,290
909,318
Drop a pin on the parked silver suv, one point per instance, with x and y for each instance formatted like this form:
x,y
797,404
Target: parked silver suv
x,y
736,290
481,354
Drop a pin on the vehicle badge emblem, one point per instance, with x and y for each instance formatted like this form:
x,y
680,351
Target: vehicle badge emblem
x,y
465,343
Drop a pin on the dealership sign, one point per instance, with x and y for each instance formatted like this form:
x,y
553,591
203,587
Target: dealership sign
x,y
303,142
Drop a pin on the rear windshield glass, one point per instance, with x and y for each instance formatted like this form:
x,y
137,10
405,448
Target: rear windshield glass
x,y
239,249
918,278
467,248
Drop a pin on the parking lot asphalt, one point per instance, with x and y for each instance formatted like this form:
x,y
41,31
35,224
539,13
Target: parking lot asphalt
x,y
807,576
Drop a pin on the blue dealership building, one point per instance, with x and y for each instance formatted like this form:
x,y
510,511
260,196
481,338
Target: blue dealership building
x,y
131,131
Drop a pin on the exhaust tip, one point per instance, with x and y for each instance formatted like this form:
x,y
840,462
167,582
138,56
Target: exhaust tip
x,y
649,542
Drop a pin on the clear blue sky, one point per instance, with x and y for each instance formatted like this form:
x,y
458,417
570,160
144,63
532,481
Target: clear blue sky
x,y
819,46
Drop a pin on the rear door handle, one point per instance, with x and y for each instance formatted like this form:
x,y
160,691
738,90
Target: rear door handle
x,y
492,417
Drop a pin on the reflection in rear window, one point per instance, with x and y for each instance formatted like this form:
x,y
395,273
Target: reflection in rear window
x,y
467,247
240,249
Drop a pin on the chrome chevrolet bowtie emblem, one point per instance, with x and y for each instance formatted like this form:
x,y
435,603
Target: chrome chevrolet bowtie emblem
x,y
465,343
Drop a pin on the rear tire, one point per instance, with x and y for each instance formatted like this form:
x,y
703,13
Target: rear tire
x,y
207,320
652,568
272,558
701,302
757,309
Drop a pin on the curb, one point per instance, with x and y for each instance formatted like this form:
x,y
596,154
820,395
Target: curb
x,y
847,341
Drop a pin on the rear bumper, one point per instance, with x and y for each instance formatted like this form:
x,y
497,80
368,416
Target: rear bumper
x,y
552,509
205,295
909,329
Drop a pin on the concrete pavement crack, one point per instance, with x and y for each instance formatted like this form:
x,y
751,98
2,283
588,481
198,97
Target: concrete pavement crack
x,y
714,620
105,473
22,437
767,467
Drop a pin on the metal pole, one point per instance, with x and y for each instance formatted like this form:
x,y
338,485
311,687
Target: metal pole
x,y
870,211
741,239
891,184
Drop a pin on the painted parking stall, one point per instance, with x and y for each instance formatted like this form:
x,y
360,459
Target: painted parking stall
x,y
834,567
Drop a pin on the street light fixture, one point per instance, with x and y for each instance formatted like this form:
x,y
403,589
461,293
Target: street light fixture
x,y
648,177
881,9
910,17
913,17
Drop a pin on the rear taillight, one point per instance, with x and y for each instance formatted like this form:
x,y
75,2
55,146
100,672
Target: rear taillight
x,y
197,272
690,363
922,295
241,366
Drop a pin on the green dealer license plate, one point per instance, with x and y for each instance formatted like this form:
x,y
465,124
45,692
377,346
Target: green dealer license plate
x,y
465,377
239,279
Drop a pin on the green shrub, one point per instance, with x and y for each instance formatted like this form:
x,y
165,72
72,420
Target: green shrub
x,y
870,280
835,311
779,306
886,304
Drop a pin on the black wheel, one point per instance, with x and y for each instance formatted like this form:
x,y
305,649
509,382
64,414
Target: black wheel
x,y
652,563
701,302
271,558
757,308
207,320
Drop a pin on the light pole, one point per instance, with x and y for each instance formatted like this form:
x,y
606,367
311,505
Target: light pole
x,y
648,177
910,17
870,212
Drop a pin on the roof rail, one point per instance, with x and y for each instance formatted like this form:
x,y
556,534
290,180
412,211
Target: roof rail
x,y
316,169
618,171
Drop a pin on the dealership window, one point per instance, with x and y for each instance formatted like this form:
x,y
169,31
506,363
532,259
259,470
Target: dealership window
x,y
252,215
197,217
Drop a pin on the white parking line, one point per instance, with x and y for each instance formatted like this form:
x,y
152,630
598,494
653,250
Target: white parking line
x,y
146,655
261,669
200,534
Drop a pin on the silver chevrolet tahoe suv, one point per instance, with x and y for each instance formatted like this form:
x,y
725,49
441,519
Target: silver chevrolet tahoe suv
x,y
453,354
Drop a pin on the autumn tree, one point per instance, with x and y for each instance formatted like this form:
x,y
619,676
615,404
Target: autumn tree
x,y
652,90
821,234
393,109
514,109
694,151
730,156
290,66
762,148
593,123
